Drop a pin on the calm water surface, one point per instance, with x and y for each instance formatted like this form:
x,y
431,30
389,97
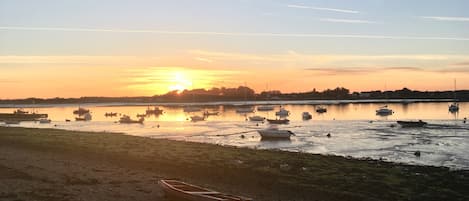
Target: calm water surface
x,y
356,130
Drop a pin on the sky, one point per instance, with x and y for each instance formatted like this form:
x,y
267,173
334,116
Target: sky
x,y
74,48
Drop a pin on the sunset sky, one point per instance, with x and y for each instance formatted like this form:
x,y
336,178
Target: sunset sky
x,y
73,48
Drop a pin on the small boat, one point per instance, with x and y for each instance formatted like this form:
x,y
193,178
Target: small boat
x,y
265,108
207,113
179,190
307,116
81,111
141,115
20,111
44,121
384,111
191,109
154,111
282,112
275,133
196,118
256,118
244,110
321,109
110,114
127,120
278,121
408,124
454,107
86,117
12,122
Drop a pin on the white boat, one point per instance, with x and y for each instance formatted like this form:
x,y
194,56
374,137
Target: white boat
x,y
275,133
306,116
196,118
384,111
86,117
265,108
244,110
256,118
192,109
44,121
454,107
127,120
282,112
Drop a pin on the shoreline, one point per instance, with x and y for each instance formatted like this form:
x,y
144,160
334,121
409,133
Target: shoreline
x,y
234,103
260,174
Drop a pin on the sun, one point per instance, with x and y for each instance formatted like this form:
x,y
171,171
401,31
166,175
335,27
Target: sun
x,y
179,82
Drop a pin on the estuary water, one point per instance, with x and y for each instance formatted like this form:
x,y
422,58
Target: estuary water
x,y
354,127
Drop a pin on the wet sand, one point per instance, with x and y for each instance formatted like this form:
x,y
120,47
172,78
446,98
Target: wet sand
x,y
49,164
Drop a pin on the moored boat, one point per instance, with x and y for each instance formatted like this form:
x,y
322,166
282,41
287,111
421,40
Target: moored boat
x,y
207,113
244,110
278,121
191,109
256,118
407,124
110,114
321,109
154,111
183,191
275,133
44,121
196,118
85,117
454,107
81,111
306,116
282,112
265,108
127,120
384,111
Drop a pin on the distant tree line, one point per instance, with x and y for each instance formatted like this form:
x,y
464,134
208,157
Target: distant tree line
x,y
243,93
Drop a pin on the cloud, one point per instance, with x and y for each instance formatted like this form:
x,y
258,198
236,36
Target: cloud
x,y
445,18
359,70
347,21
204,60
238,34
323,9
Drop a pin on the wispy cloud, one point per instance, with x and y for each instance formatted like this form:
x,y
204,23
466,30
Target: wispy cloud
x,y
359,70
446,18
323,9
347,21
241,34
203,60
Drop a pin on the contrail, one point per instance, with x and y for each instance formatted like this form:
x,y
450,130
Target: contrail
x,y
296,35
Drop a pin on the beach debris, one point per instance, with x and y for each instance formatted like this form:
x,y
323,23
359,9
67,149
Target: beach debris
x,y
328,135
417,153
242,136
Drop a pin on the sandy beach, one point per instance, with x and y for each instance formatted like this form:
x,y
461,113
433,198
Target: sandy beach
x,y
49,164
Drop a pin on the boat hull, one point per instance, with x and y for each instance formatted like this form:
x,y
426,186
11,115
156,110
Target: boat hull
x,y
184,191
278,121
412,124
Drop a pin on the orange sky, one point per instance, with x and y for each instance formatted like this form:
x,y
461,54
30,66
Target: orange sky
x,y
76,76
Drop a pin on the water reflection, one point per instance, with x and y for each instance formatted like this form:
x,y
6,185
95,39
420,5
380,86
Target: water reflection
x,y
354,128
